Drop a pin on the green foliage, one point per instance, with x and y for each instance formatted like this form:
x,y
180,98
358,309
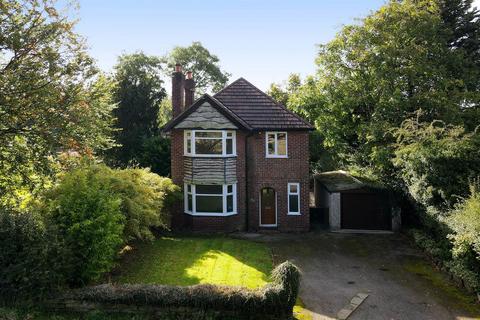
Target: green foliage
x,y
275,300
29,265
139,94
375,74
436,161
146,200
465,224
208,75
155,154
88,216
52,97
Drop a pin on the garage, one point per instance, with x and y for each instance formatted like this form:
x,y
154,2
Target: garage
x,y
349,203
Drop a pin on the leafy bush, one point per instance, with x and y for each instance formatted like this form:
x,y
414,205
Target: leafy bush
x,y
274,300
437,162
28,257
146,200
87,214
465,237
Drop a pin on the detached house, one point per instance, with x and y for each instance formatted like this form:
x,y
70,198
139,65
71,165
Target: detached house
x,y
241,158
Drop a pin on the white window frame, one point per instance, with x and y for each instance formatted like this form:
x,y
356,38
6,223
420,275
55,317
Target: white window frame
x,y
224,138
224,195
289,193
276,155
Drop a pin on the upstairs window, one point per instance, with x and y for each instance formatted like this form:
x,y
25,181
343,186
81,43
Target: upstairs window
x,y
276,144
210,143
294,198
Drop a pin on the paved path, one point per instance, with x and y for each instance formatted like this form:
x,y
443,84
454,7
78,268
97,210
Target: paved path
x,y
399,282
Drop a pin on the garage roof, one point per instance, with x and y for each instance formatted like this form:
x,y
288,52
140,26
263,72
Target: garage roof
x,y
337,181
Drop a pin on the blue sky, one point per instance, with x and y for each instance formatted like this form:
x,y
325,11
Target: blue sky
x,y
263,41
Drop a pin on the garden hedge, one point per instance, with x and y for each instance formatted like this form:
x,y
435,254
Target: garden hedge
x,y
274,300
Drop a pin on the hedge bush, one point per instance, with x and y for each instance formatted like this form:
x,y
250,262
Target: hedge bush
x,y
75,232
274,300
88,216
28,256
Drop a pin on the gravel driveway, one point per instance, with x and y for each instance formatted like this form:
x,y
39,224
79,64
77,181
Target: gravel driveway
x,y
400,283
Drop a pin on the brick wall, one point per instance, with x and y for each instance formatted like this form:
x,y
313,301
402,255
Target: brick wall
x,y
262,172
277,173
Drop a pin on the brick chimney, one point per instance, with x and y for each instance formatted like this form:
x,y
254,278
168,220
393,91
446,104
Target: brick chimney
x,y
178,80
189,90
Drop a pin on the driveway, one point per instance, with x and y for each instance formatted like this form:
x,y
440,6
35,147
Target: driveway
x,y
400,283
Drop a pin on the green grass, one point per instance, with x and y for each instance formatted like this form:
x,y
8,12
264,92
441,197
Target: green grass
x,y
193,260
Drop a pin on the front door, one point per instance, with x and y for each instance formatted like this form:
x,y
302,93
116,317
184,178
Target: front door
x,y
268,214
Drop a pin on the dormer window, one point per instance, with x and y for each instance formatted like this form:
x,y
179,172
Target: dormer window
x,y
276,144
210,143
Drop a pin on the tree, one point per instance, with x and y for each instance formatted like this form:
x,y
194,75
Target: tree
x,y
139,93
52,98
377,73
281,93
204,65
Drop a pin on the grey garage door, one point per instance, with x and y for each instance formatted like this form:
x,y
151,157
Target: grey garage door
x,y
366,211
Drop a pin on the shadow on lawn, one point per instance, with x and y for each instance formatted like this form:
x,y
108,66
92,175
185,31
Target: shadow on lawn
x,y
192,260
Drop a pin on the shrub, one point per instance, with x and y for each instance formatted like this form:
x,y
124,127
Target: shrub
x,y
146,200
88,216
28,257
274,300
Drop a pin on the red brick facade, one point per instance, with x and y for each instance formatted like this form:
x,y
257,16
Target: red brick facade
x,y
261,172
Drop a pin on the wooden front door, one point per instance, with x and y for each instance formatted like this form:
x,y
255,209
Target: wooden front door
x,y
268,214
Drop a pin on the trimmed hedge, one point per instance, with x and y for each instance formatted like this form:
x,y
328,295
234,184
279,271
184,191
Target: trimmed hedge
x,y
274,300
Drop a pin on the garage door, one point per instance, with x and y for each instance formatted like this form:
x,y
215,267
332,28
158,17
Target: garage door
x,y
368,211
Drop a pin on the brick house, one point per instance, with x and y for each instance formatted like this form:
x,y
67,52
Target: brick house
x,y
241,158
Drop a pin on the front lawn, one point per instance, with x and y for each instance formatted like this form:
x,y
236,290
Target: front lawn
x,y
197,259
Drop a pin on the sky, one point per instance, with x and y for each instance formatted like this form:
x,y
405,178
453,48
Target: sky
x,y
261,40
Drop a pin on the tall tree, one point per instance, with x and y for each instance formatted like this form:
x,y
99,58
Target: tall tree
x,y
139,93
209,77
51,96
462,27
377,73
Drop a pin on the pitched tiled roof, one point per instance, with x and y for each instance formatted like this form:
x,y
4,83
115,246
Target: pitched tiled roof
x,y
257,109
249,108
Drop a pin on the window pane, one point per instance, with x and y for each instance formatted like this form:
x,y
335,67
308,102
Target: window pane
x,y
281,144
229,134
271,143
209,189
189,202
208,146
189,145
230,188
293,188
293,206
209,204
230,203
208,134
229,146
189,188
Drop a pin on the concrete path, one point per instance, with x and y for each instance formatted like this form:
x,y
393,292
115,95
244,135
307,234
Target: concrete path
x,y
399,282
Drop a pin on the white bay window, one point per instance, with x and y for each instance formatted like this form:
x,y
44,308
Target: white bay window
x,y
211,200
210,143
